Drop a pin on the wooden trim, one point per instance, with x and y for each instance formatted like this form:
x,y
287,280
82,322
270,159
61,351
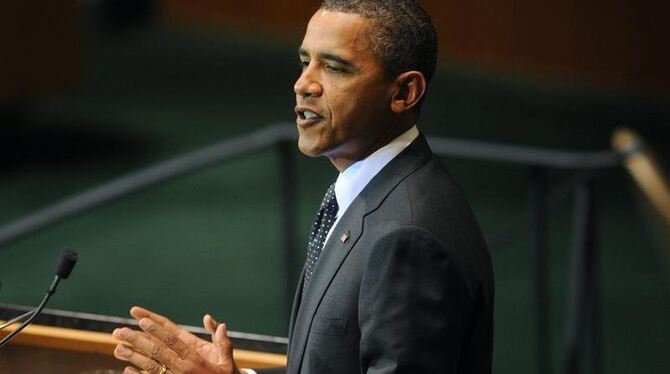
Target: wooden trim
x,y
65,339
644,169
255,359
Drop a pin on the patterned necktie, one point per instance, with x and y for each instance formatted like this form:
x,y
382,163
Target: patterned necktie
x,y
317,238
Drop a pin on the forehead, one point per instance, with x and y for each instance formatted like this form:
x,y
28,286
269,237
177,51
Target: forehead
x,y
343,34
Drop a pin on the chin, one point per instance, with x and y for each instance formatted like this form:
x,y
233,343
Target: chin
x,y
307,148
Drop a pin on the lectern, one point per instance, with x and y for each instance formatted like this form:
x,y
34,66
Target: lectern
x,y
81,343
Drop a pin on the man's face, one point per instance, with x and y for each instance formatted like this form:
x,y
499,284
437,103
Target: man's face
x,y
342,96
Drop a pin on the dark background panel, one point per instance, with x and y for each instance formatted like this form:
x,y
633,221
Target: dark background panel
x,y
153,85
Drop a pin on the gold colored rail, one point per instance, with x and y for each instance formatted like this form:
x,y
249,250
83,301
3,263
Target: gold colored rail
x,y
91,342
644,168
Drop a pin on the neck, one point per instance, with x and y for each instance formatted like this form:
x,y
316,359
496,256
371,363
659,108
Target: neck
x,y
342,163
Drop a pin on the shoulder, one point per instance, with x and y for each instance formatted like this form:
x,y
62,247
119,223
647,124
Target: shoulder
x,y
426,217
428,198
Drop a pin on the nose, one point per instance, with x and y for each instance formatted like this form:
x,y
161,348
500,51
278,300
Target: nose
x,y
307,84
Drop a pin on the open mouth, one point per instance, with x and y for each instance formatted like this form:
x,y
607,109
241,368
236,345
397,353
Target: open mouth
x,y
307,114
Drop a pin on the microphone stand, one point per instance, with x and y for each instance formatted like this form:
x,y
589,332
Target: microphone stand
x,y
66,261
15,319
33,313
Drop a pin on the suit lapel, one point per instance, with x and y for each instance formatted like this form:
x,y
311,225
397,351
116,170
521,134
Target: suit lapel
x,y
333,254
336,250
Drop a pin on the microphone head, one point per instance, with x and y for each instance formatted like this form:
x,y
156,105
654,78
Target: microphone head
x,y
66,261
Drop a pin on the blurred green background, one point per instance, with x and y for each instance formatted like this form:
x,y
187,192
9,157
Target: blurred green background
x,y
210,242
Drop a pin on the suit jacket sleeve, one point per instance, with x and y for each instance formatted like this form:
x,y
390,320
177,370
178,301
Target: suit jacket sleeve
x,y
413,306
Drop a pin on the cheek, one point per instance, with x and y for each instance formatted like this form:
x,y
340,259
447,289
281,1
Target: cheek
x,y
344,107
353,106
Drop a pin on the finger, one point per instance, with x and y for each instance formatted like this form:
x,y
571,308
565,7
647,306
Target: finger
x,y
131,370
125,353
162,335
223,344
210,324
144,350
138,313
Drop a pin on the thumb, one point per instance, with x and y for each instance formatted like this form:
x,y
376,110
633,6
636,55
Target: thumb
x,y
223,345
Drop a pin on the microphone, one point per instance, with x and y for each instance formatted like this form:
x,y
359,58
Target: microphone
x,y
66,261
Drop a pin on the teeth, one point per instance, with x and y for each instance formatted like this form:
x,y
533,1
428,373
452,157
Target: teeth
x,y
309,115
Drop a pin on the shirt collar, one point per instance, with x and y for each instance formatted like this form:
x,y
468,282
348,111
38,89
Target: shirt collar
x,y
352,180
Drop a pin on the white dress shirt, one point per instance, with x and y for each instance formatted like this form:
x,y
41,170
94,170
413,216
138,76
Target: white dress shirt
x,y
351,181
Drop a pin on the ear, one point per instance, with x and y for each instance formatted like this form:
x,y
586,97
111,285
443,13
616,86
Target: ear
x,y
409,88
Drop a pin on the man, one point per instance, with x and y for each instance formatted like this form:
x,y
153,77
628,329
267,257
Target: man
x,y
398,278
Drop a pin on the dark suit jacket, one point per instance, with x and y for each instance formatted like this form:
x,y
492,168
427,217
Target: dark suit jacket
x,y
403,285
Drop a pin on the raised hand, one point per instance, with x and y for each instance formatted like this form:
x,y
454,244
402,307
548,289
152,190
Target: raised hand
x,y
162,347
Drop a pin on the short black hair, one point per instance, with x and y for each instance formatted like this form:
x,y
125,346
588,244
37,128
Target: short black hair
x,y
403,36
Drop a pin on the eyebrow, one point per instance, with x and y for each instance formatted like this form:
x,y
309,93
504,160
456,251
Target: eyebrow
x,y
328,57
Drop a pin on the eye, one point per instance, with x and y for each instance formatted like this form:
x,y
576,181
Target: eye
x,y
303,64
333,69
